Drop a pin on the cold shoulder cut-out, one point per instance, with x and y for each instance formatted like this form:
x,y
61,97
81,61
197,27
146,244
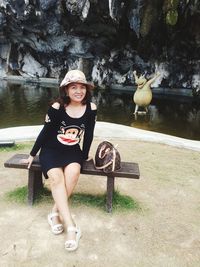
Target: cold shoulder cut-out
x,y
59,140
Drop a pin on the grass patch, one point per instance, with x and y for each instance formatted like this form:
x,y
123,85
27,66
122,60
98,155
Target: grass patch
x,y
15,147
120,202
20,195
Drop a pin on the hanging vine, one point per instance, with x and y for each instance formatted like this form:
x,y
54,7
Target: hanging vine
x,y
170,10
149,17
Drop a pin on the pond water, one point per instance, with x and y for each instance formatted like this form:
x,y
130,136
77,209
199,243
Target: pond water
x,y
26,104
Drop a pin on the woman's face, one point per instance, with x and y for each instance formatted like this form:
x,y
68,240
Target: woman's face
x,y
76,91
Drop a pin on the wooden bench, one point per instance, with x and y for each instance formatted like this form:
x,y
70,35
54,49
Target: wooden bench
x,y
35,182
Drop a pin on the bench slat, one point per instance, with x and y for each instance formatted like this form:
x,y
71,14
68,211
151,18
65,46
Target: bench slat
x,y
128,170
14,162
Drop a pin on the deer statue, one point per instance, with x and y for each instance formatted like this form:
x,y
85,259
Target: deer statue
x,y
143,94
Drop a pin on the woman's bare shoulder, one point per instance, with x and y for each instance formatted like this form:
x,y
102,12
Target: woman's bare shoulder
x,y
93,106
56,105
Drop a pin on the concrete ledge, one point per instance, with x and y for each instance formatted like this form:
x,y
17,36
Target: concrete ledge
x,y
105,130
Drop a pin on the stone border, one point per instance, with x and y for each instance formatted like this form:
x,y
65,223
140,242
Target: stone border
x,y
104,130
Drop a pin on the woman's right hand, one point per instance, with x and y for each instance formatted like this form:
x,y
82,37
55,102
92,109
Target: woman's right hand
x,y
28,161
89,158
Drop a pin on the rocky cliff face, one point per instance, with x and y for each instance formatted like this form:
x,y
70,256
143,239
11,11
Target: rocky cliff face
x,y
107,39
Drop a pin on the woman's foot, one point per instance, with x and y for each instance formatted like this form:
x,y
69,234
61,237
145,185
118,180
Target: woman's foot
x,y
73,237
54,222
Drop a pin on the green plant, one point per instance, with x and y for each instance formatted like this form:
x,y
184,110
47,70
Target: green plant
x,y
170,10
172,17
20,194
148,18
15,147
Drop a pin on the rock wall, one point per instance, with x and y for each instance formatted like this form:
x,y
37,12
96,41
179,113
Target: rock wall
x,y
107,39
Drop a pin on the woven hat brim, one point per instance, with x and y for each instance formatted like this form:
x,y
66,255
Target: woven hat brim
x,y
89,85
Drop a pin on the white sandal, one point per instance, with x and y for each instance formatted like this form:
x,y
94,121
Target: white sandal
x,y
72,245
55,228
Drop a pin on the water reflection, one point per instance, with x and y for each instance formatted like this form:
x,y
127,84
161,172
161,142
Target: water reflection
x,y
23,104
178,116
26,104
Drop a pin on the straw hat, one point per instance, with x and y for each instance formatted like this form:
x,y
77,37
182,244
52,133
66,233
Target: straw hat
x,y
75,76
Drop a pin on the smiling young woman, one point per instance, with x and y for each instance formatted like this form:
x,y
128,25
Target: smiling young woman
x,y
70,118
76,93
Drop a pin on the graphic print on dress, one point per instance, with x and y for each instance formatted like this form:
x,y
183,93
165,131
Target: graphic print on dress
x,y
70,135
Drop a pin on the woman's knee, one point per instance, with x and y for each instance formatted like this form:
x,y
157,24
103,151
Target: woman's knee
x,y
72,171
56,177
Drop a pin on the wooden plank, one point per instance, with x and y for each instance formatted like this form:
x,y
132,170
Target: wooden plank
x,y
110,191
14,162
31,187
35,184
128,169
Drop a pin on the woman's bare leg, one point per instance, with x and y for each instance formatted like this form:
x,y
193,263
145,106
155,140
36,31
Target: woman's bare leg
x,y
59,193
56,219
71,173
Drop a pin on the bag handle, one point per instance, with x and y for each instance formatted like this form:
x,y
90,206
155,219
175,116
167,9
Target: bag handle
x,y
114,159
101,155
104,166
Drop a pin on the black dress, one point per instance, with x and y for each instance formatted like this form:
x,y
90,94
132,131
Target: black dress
x,y
59,140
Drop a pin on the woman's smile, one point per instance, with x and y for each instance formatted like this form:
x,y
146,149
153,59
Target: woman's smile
x,y
76,91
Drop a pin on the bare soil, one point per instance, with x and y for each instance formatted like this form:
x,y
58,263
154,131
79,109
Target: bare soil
x,y
164,233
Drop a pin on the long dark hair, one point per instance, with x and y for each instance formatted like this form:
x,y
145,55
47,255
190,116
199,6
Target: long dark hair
x,y
64,100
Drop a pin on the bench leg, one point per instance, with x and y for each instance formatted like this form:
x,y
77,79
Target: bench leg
x,y
34,185
110,190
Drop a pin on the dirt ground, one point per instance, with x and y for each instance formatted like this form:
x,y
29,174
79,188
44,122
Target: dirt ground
x,y
164,233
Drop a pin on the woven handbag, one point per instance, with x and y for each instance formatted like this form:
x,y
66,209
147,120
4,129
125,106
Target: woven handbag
x,y
107,157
